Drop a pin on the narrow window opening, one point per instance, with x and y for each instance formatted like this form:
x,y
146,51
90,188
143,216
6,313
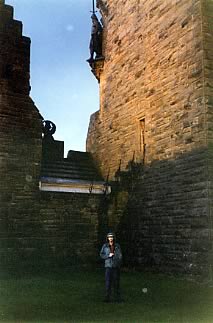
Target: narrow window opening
x,y
142,139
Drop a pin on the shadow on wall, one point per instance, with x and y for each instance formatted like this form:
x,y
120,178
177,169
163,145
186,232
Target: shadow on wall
x,y
161,214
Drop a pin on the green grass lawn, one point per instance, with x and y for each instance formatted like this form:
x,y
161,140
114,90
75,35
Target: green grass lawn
x,y
78,297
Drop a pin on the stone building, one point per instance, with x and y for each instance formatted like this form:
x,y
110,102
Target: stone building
x,y
153,134
151,139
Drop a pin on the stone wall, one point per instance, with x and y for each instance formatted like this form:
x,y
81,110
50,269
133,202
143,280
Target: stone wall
x,y
207,28
37,229
163,223
20,137
69,228
63,233
154,90
55,230
153,73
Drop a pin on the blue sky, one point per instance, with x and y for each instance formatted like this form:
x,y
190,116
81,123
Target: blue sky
x,y
63,87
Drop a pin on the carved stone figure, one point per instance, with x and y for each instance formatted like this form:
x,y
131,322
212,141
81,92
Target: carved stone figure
x,y
49,129
96,39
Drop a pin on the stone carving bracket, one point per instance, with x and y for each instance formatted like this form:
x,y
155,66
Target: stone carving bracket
x,y
97,67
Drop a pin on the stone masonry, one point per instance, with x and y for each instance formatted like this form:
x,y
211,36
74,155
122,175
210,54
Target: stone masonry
x,y
156,111
20,138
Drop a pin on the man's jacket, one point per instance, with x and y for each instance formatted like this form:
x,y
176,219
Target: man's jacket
x,y
111,262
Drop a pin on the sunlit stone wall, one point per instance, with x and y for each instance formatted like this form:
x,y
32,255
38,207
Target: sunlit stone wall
x,y
156,108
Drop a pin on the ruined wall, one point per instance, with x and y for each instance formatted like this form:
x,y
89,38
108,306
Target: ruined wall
x,y
20,137
153,111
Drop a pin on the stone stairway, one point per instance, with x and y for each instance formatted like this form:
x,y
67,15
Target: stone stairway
x,y
77,174
77,166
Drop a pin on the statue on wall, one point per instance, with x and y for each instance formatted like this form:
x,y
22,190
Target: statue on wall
x,y
96,39
49,129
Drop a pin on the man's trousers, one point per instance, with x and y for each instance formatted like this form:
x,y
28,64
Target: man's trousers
x,y
112,281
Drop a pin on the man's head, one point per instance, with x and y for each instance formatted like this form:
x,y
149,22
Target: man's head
x,y
110,237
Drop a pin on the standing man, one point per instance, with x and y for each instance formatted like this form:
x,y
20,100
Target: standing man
x,y
111,253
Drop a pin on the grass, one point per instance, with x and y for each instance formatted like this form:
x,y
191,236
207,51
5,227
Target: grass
x,y
78,297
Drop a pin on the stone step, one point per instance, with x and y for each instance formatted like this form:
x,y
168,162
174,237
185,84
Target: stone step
x,y
79,176
58,173
63,169
68,165
78,156
78,165
68,170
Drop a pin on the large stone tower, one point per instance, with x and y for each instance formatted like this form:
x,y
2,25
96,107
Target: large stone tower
x,y
20,141
156,107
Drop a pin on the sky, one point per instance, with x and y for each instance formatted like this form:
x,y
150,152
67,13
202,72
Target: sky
x,y
62,85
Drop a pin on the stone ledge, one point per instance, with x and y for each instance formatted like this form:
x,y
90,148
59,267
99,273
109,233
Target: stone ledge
x,y
97,67
73,186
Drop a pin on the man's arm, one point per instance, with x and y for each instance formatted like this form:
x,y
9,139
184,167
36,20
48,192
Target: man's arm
x,y
105,252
